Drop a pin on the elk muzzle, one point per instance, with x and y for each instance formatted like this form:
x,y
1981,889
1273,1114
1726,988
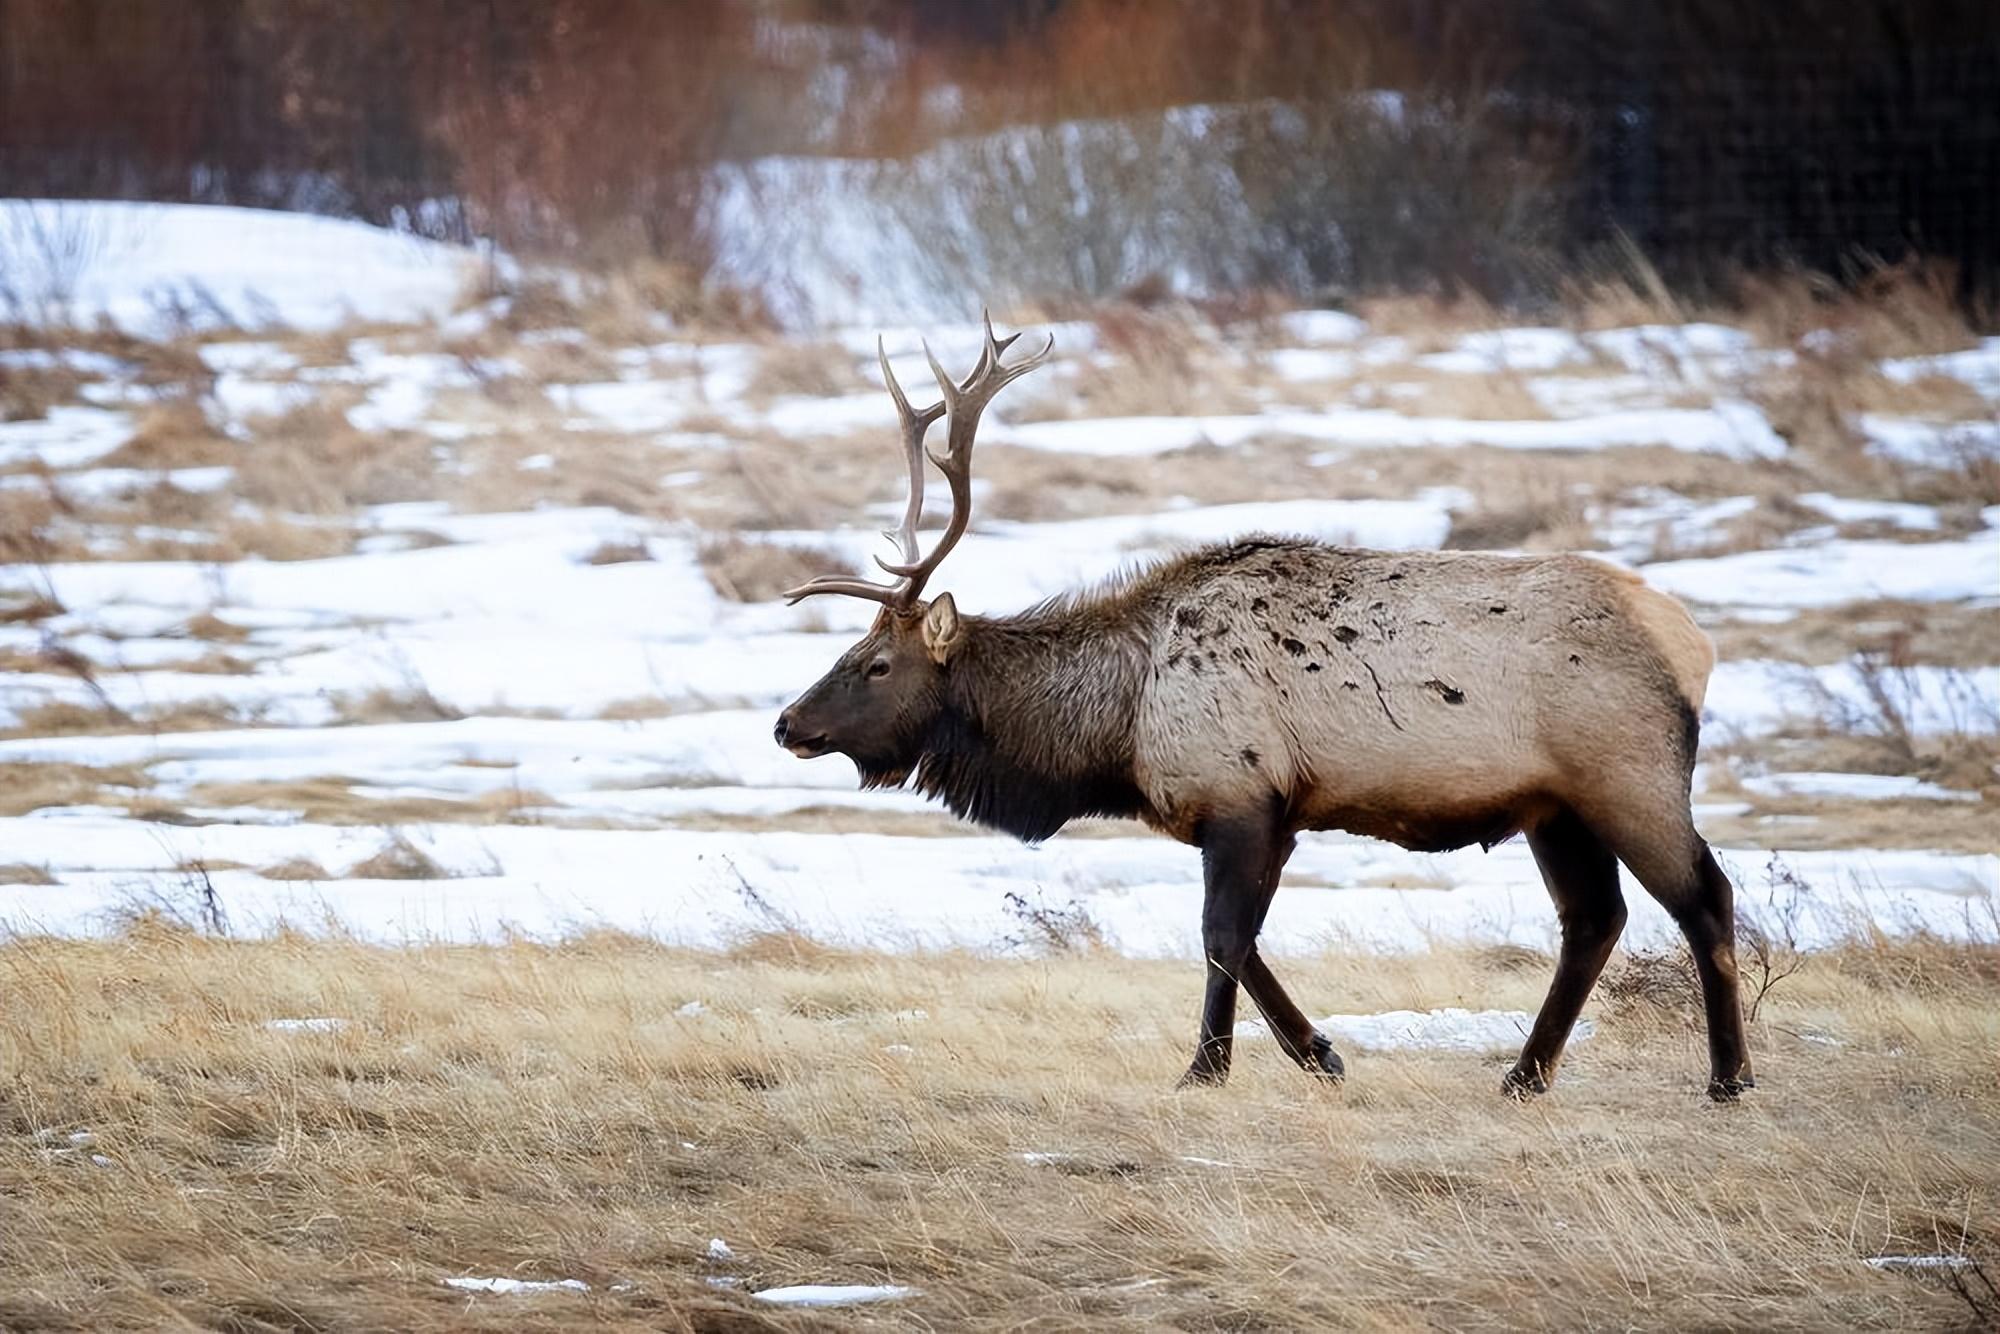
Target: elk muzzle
x,y
788,734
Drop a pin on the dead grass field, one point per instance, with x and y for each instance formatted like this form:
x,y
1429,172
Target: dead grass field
x,y
552,1111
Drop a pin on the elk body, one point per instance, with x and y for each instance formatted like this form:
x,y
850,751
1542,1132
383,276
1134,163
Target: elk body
x,y
1239,694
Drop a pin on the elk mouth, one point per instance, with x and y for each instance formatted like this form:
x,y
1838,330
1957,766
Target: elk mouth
x,y
808,748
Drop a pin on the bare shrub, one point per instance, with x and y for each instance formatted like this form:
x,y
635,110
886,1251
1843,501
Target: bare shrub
x,y
1949,733
1658,980
1769,945
1050,928
747,569
47,247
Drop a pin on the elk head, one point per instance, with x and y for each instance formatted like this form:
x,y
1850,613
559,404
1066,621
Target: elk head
x,y
879,702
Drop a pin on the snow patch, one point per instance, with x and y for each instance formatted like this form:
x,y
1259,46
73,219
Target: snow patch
x,y
834,1294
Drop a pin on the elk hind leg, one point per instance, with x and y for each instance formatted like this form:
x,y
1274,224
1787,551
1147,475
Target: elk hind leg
x,y
1582,878
1661,848
1302,1042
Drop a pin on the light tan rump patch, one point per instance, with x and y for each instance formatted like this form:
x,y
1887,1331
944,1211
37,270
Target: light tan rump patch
x,y
1684,646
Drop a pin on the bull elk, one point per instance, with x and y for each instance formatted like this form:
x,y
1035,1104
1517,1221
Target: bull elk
x,y
1238,694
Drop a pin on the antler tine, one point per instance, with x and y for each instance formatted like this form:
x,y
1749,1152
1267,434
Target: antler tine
x,y
964,402
915,424
889,595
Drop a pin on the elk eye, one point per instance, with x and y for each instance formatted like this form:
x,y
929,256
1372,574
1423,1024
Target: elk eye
x,y
877,669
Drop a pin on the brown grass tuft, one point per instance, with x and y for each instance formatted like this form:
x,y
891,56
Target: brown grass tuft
x,y
618,553
25,873
27,393
174,433
295,868
398,859
818,370
312,460
746,569
26,787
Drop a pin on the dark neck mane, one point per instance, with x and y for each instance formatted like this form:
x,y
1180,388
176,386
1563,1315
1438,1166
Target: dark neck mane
x,y
1039,717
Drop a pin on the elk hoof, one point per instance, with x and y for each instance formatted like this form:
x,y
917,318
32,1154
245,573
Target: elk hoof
x,y
1321,1061
1521,1085
1201,1076
1730,1090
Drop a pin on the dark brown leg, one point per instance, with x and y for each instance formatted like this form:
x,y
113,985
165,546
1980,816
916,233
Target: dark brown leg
x,y
1241,920
1295,1033
1236,863
1709,923
1582,878
1676,867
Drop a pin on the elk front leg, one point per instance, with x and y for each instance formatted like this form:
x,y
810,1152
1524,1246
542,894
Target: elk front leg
x,y
1236,864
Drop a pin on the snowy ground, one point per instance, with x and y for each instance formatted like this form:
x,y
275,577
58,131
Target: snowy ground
x,y
418,626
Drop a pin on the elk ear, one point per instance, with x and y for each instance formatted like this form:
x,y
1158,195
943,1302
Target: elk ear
x,y
942,628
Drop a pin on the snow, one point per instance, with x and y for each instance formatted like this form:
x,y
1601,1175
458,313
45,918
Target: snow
x,y
154,268
1867,787
1733,429
517,1286
1946,445
1750,696
1977,366
68,437
318,1024
1491,351
1919,1262
1313,327
1836,572
683,885
834,1294
1898,514
508,618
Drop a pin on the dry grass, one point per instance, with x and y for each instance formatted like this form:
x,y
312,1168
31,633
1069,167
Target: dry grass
x,y
33,787
548,1112
1151,364
68,718
332,799
1897,310
312,460
818,370
746,569
1944,634
25,873
1814,822
28,392
174,433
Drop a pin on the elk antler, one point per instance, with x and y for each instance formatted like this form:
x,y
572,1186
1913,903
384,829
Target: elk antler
x,y
963,403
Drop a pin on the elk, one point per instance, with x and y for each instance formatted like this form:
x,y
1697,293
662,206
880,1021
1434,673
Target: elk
x,y
1238,694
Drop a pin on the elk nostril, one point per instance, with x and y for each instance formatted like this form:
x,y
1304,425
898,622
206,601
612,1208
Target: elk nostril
x,y
782,731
